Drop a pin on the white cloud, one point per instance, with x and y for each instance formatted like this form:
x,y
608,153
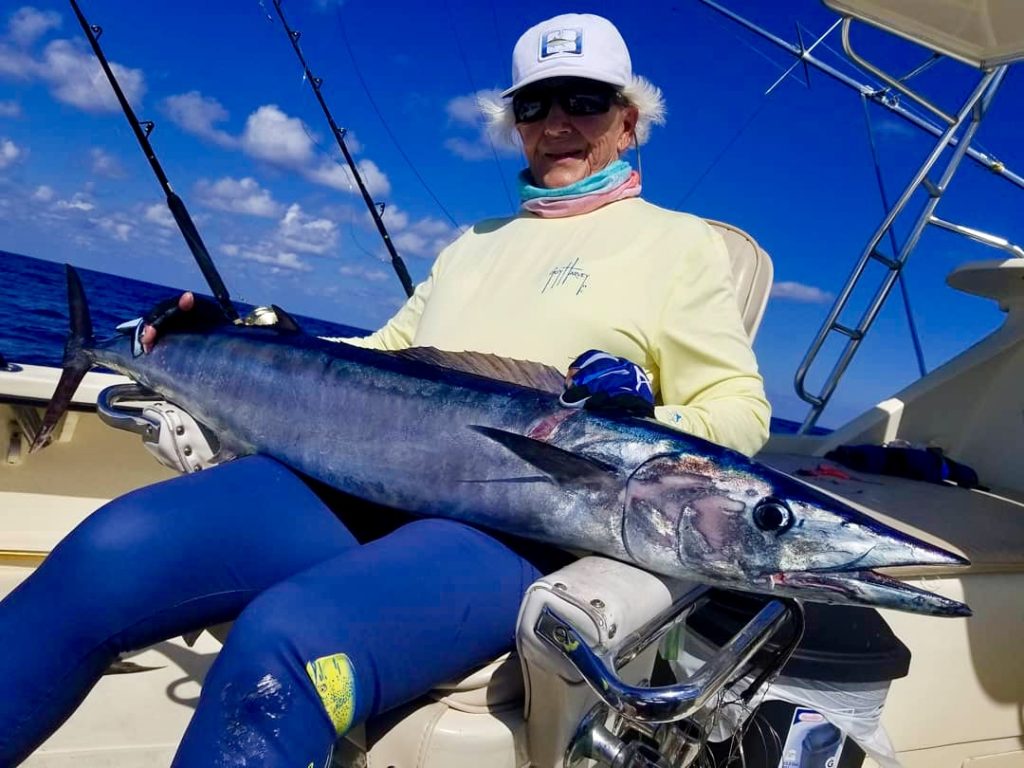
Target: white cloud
x,y
10,153
16,63
105,164
10,109
355,146
43,194
238,196
297,234
199,115
337,176
467,149
301,232
807,294
265,253
424,237
116,227
75,78
78,202
411,243
464,113
395,218
464,110
159,214
273,136
363,273
893,126
373,177
27,24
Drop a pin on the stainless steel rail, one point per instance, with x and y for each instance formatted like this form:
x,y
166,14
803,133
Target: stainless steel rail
x,y
968,118
110,409
993,241
664,704
643,638
890,81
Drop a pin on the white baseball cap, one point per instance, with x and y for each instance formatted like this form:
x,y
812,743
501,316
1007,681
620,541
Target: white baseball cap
x,y
571,45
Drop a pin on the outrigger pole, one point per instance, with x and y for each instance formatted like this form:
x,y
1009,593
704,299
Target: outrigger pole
x,y
881,96
175,203
339,135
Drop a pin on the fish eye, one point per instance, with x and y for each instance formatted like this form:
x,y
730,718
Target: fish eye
x,y
772,515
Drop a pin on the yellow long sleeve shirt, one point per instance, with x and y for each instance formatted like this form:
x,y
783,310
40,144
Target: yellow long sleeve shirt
x,y
632,279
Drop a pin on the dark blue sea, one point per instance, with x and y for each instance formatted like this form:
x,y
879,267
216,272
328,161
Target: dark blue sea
x,y
34,311
34,307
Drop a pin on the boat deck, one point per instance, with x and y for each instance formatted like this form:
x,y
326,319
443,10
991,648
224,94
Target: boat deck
x,y
986,527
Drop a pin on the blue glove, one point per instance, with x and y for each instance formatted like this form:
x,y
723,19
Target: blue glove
x,y
598,381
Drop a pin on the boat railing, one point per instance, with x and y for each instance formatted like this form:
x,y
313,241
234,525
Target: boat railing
x,y
958,134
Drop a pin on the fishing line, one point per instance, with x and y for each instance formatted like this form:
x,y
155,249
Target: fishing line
x,y
739,132
486,134
359,245
729,30
499,42
339,134
904,292
387,128
325,152
721,153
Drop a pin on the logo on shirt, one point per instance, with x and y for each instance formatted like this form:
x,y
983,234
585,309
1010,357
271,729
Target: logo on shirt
x,y
570,275
561,42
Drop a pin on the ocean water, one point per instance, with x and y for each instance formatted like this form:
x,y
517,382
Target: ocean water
x,y
34,307
34,311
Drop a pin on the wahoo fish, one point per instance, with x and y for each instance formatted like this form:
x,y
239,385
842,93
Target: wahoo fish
x,y
484,440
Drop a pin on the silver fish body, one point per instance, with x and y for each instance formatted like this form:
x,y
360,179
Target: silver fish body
x,y
440,442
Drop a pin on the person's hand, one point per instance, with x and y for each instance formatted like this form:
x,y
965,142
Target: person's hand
x,y
160,313
599,381
186,311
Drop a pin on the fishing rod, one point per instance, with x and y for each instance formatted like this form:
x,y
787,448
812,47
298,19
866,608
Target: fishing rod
x,y
339,135
174,203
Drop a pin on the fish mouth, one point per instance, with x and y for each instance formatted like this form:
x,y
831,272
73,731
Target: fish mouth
x,y
865,587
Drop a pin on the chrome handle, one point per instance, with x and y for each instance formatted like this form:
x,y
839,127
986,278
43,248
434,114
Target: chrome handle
x,y
111,412
668,703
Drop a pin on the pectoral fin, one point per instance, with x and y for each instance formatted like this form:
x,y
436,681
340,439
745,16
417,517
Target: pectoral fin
x,y
564,467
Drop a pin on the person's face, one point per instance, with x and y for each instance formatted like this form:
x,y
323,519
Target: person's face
x,y
561,148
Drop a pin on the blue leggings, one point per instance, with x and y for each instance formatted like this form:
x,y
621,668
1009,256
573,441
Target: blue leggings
x,y
328,631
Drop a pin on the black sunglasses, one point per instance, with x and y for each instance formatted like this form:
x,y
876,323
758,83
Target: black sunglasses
x,y
532,104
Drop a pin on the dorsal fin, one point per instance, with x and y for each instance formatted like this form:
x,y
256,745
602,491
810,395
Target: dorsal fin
x,y
521,372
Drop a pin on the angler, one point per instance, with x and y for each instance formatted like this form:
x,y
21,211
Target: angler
x,y
330,631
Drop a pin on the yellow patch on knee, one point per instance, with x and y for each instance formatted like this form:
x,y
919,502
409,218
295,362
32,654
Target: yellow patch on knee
x,y
335,683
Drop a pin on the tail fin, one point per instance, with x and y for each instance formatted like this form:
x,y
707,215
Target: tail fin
x,y
76,361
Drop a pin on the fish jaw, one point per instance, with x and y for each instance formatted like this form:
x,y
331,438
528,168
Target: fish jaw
x,y
865,588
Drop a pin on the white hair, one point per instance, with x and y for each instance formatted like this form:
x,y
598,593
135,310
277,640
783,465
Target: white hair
x,y
640,93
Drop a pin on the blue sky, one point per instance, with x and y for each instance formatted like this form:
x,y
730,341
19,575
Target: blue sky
x,y
244,143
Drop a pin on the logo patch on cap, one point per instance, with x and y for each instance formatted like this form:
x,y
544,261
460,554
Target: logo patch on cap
x,y
561,42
